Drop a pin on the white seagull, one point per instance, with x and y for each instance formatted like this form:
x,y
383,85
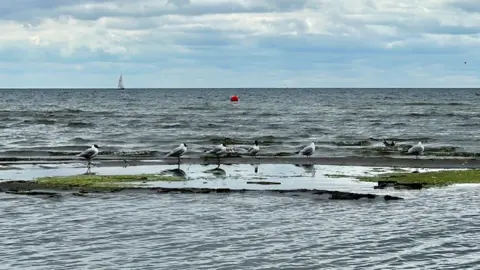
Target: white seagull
x,y
89,154
178,152
218,150
254,149
416,149
308,150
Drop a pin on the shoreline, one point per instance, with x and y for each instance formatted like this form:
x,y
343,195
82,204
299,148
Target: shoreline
x,y
34,188
433,163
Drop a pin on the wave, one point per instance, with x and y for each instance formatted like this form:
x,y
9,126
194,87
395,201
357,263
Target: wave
x,y
79,125
39,121
434,104
352,143
57,153
405,139
262,140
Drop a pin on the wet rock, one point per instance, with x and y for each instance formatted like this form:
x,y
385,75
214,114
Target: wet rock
x,y
263,183
80,193
385,184
34,193
398,185
337,195
25,188
390,198
409,185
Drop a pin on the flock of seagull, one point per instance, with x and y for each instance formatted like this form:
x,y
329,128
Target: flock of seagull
x,y
222,149
414,150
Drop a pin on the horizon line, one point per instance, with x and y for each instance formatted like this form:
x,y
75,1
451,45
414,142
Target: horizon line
x,y
165,88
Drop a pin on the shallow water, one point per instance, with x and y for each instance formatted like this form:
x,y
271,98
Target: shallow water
x,y
434,229
323,177
149,122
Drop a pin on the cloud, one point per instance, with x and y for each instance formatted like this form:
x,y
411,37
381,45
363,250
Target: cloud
x,y
244,43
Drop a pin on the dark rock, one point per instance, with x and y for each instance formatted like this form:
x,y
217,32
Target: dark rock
x,y
34,193
390,198
409,185
396,185
338,195
385,184
263,183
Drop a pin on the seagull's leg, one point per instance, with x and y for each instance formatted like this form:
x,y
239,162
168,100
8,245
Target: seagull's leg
x,y
88,166
218,160
179,163
416,157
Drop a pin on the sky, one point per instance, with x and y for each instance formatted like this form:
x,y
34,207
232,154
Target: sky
x,y
239,43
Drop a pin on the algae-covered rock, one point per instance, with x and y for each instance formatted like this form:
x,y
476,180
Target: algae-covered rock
x,y
101,181
425,179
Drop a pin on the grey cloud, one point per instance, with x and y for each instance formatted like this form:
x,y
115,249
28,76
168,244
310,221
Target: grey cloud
x,y
318,44
20,6
408,26
147,11
472,6
25,10
179,3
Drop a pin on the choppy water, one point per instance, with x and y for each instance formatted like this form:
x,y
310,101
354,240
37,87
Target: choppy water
x,y
149,122
430,230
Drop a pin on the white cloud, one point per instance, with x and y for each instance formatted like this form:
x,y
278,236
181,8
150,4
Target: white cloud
x,y
295,40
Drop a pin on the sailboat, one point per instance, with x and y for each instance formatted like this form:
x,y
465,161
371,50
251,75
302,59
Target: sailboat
x,y
120,82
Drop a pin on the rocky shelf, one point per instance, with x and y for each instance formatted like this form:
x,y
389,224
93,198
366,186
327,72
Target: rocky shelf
x,y
34,188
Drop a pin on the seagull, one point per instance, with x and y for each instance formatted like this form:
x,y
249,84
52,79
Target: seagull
x,y
388,144
178,152
89,154
416,149
254,149
308,150
218,150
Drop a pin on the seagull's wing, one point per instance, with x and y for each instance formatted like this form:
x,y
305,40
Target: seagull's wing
x,y
253,149
308,150
89,153
415,149
176,152
215,149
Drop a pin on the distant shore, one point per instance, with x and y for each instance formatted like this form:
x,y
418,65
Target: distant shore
x,y
424,162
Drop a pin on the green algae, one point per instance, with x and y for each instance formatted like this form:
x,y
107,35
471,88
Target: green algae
x,y
101,181
429,179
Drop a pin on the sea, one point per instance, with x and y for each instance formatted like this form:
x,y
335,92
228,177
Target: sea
x,y
43,123
429,229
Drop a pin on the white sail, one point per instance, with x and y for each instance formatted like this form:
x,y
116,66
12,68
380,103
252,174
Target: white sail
x,y
120,82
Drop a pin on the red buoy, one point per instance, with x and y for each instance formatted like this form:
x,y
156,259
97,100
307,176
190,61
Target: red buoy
x,y
234,98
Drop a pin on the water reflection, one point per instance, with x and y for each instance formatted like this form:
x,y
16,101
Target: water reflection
x,y
175,172
217,172
256,168
309,168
